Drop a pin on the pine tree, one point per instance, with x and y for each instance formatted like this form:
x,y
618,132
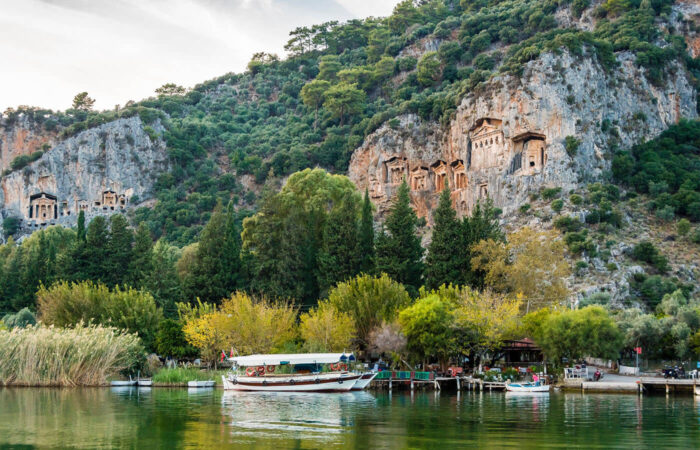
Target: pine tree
x,y
399,252
339,258
142,256
366,238
119,251
443,264
162,280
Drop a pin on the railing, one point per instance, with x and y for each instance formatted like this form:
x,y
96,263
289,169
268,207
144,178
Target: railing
x,y
404,375
576,372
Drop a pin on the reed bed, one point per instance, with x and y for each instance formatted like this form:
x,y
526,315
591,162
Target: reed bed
x,y
78,356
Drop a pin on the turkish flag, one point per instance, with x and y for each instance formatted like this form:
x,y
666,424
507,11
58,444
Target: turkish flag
x,y
638,350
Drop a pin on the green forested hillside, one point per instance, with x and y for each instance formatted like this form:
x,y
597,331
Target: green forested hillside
x,y
341,81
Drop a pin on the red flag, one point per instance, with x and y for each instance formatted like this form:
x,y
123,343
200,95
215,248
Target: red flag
x,y
223,355
231,352
638,350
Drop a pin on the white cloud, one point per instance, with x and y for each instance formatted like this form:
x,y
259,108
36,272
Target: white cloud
x,y
121,50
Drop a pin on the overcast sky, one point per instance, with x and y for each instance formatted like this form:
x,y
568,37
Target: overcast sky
x,y
120,50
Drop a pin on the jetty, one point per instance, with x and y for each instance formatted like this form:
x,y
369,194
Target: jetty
x,y
420,380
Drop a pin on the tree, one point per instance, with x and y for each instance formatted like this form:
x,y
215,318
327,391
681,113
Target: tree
x,y
95,251
399,252
81,226
171,342
118,252
531,264
285,237
577,333
325,329
429,69
428,327
387,339
339,258
370,301
482,224
444,265
170,89
141,264
328,67
249,325
344,99
83,102
313,95
162,281
66,304
365,245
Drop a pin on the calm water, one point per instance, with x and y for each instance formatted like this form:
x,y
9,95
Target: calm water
x,y
178,418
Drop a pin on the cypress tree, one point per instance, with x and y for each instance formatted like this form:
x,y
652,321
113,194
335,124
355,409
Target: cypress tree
x,y
81,226
339,258
142,257
366,238
119,251
443,264
483,224
162,280
95,252
399,252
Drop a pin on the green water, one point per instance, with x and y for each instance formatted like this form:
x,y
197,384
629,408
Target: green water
x,y
178,418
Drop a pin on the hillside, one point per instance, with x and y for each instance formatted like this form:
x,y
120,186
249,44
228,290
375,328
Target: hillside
x,y
501,99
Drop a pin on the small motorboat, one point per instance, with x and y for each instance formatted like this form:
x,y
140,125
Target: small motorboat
x,y
364,381
528,387
121,383
144,382
201,384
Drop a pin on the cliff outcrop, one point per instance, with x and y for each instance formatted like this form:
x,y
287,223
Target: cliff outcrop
x,y
557,125
101,171
22,137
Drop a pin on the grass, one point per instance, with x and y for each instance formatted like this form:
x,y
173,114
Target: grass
x,y
182,376
78,356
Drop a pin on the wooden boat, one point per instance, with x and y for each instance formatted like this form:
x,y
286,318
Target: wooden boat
x,y
144,382
257,373
528,387
201,384
364,381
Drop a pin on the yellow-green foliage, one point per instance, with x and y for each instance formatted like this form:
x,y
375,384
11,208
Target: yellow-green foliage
x,y
325,329
65,304
246,324
79,356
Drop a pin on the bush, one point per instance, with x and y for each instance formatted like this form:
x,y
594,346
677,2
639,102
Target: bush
x,y
171,342
683,227
557,205
80,356
10,225
646,252
525,208
21,319
551,193
567,223
571,145
66,304
611,266
575,199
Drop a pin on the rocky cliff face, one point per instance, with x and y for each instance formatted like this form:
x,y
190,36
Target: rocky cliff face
x,y
23,137
102,170
509,139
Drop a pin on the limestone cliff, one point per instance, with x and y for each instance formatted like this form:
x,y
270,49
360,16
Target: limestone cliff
x,y
101,171
508,139
23,137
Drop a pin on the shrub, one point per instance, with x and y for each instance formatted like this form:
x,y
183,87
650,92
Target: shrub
x,y
21,319
599,298
557,205
575,199
611,266
567,223
171,342
66,304
551,193
79,356
571,145
646,252
525,208
683,227
581,266
10,225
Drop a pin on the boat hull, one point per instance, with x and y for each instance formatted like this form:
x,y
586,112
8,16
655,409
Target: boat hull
x,y
122,383
334,382
364,381
527,389
697,390
201,384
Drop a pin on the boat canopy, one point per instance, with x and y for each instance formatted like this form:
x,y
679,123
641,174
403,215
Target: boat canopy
x,y
292,359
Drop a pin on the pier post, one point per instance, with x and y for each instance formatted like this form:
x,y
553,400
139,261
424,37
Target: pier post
x,y
411,384
481,385
667,389
457,384
389,384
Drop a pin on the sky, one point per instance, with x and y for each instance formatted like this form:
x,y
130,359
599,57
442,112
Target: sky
x,y
121,50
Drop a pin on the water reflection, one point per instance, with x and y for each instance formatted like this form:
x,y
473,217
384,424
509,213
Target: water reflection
x,y
204,418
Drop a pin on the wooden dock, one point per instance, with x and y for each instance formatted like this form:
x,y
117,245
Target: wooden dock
x,y
669,385
437,383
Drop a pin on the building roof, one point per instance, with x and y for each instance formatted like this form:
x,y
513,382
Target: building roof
x,y
526,136
292,359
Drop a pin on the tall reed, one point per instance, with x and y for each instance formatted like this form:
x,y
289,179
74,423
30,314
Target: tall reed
x,y
78,356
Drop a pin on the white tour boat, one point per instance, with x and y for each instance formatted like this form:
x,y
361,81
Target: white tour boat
x,y
303,373
527,387
364,381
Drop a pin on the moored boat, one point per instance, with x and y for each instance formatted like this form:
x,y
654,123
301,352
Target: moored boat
x,y
121,383
527,387
364,381
201,384
303,373
144,382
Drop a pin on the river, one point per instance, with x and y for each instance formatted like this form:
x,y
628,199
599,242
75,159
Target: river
x,y
181,418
